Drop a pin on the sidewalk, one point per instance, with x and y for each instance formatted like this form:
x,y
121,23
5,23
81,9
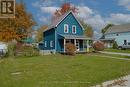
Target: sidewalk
x,y
123,54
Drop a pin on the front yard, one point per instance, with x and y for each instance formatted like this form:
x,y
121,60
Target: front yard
x,y
81,70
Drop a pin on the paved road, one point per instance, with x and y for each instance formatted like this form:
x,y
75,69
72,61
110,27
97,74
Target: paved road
x,y
123,54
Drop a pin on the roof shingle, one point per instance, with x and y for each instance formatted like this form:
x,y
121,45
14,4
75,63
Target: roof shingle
x,y
119,28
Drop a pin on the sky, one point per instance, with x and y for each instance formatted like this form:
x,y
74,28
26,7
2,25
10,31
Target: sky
x,y
97,13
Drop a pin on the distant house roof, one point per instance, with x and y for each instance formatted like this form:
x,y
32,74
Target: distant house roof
x,y
57,21
108,39
74,36
119,28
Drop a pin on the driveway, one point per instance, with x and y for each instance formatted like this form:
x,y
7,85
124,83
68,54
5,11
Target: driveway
x,y
123,54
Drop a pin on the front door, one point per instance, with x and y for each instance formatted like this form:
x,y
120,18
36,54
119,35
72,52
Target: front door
x,y
77,45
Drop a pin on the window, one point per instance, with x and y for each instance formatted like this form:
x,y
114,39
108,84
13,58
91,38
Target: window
x,y
51,43
45,43
125,42
74,29
65,28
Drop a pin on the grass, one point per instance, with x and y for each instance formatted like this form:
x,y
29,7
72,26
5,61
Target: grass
x,y
60,71
118,50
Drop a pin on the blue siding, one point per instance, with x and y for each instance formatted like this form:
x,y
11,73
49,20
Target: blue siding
x,y
70,20
120,37
49,36
54,34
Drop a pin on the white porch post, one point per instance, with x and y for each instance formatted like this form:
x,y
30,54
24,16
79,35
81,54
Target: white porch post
x,y
87,45
75,43
64,45
83,45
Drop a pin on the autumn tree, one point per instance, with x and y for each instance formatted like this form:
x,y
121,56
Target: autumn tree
x,y
88,29
39,35
18,27
66,7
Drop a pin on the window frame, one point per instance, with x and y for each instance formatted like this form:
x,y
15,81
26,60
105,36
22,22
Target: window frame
x,y
75,29
51,43
65,28
45,44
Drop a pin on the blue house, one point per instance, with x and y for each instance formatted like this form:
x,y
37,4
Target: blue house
x,y
64,29
118,33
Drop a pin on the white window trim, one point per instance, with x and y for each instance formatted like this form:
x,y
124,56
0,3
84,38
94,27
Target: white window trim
x,y
45,44
75,29
67,28
51,43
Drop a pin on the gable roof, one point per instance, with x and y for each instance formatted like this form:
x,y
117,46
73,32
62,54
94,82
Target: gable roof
x,y
60,19
118,28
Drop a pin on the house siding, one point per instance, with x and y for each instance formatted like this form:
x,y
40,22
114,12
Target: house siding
x,y
70,20
120,37
48,37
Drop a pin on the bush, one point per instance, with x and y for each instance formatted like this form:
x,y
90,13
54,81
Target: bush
x,y
11,49
98,46
115,45
70,48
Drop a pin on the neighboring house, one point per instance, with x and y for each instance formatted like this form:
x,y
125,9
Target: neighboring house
x,y
118,33
64,30
3,48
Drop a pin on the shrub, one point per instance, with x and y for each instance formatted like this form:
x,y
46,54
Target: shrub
x,y
70,48
11,49
98,46
115,45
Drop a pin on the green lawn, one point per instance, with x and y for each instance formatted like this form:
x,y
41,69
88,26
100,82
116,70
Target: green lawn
x,y
118,50
60,71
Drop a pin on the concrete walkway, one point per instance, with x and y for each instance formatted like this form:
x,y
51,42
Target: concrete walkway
x,y
123,54
121,82
121,58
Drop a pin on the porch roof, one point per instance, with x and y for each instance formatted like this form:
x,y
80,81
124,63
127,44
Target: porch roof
x,y
75,37
108,39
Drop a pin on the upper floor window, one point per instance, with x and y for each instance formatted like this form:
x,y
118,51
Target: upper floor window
x,y
73,29
51,43
45,43
66,30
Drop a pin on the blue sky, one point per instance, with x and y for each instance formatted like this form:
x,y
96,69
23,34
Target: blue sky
x,y
97,13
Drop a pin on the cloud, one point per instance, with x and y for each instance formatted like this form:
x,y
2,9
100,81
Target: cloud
x,y
49,10
124,3
84,11
119,18
44,19
90,16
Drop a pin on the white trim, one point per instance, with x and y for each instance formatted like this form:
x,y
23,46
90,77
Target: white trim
x,y
66,25
64,45
51,43
83,44
45,44
74,17
55,40
63,19
75,29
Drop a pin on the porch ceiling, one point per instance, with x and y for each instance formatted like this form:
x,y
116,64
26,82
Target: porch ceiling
x,y
75,37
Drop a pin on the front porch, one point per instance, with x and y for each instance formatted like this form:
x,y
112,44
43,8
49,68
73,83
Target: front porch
x,y
82,43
